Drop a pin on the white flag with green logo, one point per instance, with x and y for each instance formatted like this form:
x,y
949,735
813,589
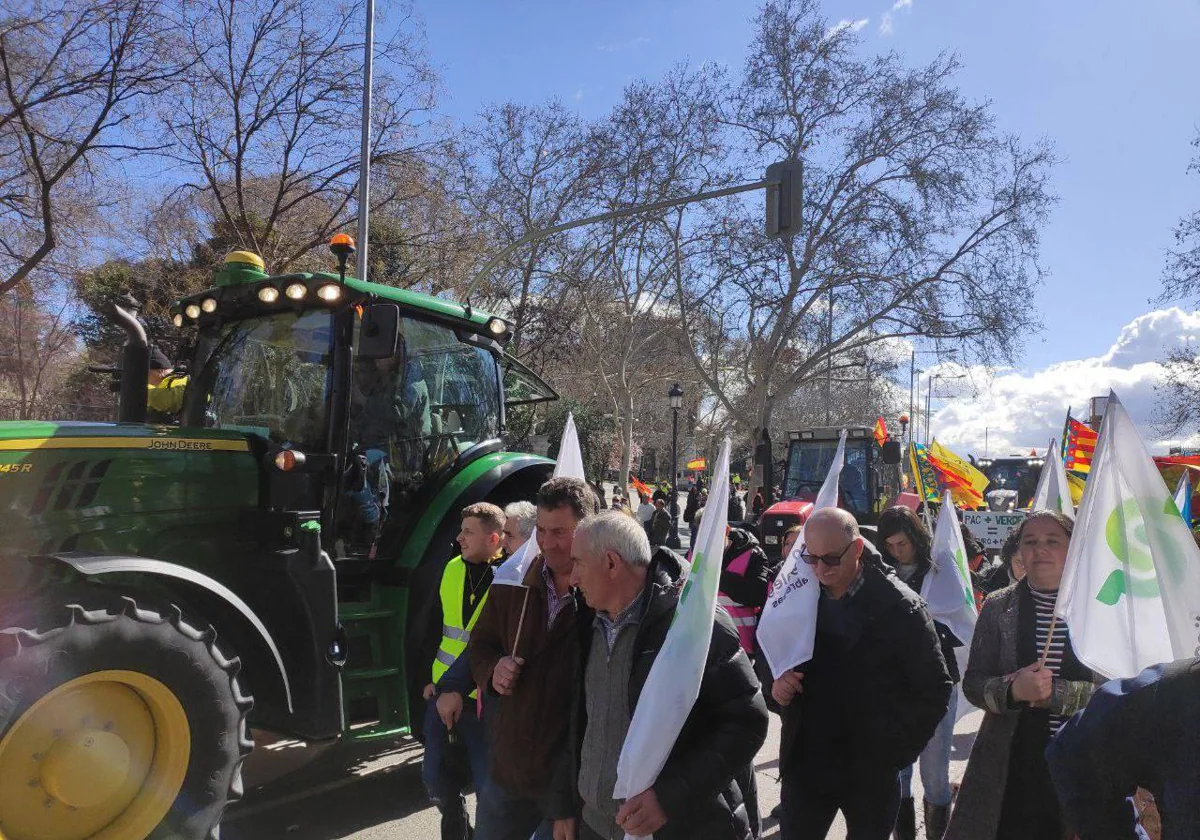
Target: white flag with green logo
x,y
1053,492
1130,593
570,463
787,629
947,589
673,683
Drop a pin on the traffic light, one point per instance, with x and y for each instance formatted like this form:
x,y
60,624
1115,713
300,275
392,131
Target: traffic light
x,y
783,198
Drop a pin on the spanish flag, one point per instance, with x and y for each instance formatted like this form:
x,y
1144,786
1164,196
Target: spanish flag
x,y
641,487
881,432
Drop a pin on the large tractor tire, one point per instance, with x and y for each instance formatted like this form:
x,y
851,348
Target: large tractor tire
x,y
124,722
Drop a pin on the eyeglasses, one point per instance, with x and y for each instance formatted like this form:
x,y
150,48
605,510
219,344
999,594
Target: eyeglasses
x,y
830,560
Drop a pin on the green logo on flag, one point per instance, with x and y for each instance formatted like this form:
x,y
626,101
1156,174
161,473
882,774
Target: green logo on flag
x,y
1127,533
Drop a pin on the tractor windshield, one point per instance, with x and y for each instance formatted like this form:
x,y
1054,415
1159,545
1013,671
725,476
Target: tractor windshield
x,y
270,376
808,464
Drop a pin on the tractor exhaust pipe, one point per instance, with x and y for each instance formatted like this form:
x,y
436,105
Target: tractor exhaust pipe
x,y
135,367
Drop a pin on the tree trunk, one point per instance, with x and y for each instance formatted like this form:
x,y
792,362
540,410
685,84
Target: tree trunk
x,y
626,446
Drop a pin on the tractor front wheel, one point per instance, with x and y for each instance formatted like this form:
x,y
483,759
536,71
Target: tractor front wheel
x,y
122,723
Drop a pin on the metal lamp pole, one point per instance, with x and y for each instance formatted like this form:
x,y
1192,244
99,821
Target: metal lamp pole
x,y
675,401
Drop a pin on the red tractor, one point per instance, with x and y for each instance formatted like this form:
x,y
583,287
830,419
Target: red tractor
x,y
870,480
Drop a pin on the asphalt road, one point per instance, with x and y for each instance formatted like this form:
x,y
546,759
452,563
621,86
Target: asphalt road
x,y
374,791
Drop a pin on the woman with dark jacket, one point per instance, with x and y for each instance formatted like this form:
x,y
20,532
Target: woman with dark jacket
x,y
906,544
1024,675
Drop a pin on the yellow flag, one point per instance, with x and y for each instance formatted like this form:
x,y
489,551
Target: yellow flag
x,y
965,474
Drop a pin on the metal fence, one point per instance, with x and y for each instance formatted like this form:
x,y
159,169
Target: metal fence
x,y
11,410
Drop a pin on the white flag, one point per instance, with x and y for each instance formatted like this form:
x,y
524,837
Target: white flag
x,y
947,589
787,629
1130,592
1053,491
673,683
570,463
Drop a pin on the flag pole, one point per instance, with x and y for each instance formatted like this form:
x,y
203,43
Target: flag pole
x,y
520,622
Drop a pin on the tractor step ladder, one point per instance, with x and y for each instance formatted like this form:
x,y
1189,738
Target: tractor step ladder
x,y
373,687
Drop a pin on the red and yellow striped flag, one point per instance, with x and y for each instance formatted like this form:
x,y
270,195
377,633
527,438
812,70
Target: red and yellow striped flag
x,y
1079,446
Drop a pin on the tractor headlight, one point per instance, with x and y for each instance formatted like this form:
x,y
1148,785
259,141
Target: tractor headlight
x,y
268,294
496,326
192,310
296,291
209,305
178,320
330,292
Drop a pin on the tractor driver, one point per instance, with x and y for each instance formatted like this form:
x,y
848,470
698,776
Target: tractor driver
x,y
164,389
390,416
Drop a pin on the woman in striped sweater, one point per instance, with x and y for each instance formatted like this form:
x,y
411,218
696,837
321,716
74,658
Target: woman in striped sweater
x,y
1023,673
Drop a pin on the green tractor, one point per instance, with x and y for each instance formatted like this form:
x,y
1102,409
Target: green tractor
x,y
267,563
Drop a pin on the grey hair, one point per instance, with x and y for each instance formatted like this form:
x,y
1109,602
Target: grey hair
x,y
836,517
616,532
525,514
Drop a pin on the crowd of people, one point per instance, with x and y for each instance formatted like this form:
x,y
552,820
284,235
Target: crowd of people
x,y
537,684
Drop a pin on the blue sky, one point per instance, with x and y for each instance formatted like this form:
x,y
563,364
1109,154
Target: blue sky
x,y
1113,84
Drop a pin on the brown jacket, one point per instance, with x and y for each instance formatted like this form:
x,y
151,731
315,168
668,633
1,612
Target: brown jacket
x,y
993,657
528,728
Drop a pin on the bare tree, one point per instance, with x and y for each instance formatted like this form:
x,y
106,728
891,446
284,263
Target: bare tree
x,y
73,76
1181,277
36,345
659,143
919,219
524,169
265,126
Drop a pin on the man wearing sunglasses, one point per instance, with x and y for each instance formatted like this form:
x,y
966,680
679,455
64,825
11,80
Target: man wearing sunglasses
x,y
868,701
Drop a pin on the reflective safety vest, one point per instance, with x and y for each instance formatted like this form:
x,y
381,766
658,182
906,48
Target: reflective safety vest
x,y
745,619
454,634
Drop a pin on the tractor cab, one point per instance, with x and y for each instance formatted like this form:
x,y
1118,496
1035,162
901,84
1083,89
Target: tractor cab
x,y
362,397
1012,480
867,480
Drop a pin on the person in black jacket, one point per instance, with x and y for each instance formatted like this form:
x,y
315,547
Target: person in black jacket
x,y
1140,732
866,704
635,597
907,545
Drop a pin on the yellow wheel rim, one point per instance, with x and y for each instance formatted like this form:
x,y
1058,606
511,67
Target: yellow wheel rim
x,y
101,757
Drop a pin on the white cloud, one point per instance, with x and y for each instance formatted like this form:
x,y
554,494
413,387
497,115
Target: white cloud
x,y
906,5
621,46
844,24
885,25
577,95
1021,411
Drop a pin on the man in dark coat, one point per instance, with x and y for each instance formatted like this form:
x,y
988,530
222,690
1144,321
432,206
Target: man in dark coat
x,y
660,524
635,597
1141,732
868,701
529,676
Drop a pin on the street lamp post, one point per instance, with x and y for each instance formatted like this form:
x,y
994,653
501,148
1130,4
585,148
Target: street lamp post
x,y
675,401
929,396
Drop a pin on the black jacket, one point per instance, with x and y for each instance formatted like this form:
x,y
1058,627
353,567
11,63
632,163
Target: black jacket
x,y
948,639
1140,732
721,736
750,589
877,684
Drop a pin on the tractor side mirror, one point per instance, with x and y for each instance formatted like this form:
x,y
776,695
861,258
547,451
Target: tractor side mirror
x,y
892,452
379,332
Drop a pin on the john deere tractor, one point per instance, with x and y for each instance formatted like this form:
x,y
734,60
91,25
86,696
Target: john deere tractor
x,y
266,563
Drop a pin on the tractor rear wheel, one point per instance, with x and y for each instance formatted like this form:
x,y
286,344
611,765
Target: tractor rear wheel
x,y
124,722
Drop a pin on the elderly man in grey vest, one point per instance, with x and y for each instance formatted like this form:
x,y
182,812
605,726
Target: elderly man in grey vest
x,y
635,597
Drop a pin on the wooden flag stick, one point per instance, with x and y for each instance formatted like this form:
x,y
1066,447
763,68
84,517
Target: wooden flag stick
x,y
520,622
1049,638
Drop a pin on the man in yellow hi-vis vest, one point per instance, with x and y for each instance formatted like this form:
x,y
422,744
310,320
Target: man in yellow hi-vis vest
x,y
451,716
